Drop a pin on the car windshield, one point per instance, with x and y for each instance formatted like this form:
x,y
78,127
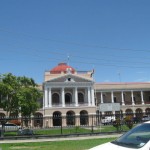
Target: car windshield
x,y
135,138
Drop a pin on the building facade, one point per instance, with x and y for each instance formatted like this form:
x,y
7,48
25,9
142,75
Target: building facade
x,y
71,96
68,92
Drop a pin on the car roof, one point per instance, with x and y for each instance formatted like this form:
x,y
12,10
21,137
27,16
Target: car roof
x,y
147,122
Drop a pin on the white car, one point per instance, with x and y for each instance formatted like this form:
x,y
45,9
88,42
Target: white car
x,y
145,118
10,127
136,138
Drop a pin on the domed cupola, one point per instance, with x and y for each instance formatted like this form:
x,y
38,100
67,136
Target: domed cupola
x,y
62,68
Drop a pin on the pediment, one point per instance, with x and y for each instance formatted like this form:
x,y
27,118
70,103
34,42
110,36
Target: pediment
x,y
70,78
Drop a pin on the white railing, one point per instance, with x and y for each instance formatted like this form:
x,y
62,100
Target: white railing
x,y
69,104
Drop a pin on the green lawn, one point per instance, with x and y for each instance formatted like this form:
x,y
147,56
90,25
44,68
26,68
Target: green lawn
x,y
108,128
60,145
74,130
54,131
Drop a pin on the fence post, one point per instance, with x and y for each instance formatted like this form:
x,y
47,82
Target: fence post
x,y
61,125
92,123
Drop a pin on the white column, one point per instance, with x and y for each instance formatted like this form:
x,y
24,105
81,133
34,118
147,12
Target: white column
x,y
142,99
93,98
89,97
63,97
46,101
76,97
112,96
50,97
73,97
122,96
86,96
102,98
132,97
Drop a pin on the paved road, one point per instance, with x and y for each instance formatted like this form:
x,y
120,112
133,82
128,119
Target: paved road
x,y
60,139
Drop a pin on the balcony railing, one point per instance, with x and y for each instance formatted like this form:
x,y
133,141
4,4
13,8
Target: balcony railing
x,y
69,104
72,104
128,103
138,103
57,105
83,104
146,102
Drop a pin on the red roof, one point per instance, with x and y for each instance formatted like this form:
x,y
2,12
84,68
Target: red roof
x,y
62,67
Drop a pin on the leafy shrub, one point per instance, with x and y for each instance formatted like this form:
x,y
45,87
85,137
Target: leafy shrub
x,y
129,121
117,124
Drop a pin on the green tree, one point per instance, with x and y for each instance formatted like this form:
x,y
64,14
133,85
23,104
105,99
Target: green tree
x,y
3,92
19,95
9,87
117,124
28,97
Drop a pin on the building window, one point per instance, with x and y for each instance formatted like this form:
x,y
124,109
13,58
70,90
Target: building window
x,y
149,98
55,99
57,119
115,99
69,79
68,98
70,118
80,98
134,99
84,117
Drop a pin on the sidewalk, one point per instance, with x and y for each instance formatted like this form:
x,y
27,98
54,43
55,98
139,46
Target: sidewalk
x,y
60,139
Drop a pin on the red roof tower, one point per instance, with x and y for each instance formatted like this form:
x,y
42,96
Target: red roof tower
x,y
62,67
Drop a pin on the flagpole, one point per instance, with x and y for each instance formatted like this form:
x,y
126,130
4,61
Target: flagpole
x,y
92,75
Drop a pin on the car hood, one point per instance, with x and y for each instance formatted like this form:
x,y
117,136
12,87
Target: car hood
x,y
111,146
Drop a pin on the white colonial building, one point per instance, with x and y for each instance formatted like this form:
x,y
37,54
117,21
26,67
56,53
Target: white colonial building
x,y
71,97
68,92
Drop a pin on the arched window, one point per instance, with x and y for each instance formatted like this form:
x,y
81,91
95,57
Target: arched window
x,y
129,112
38,120
139,113
68,98
57,119
55,99
139,110
84,117
147,111
70,118
80,98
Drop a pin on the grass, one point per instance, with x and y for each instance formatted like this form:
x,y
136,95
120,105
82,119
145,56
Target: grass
x,y
74,130
60,145
64,131
63,145
108,128
54,131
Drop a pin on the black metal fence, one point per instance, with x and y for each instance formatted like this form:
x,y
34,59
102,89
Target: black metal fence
x,y
71,124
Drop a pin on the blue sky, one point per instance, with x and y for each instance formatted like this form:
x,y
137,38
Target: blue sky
x,y
111,36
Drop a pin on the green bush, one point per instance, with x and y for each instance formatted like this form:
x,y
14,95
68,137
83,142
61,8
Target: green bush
x,y
117,124
129,121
